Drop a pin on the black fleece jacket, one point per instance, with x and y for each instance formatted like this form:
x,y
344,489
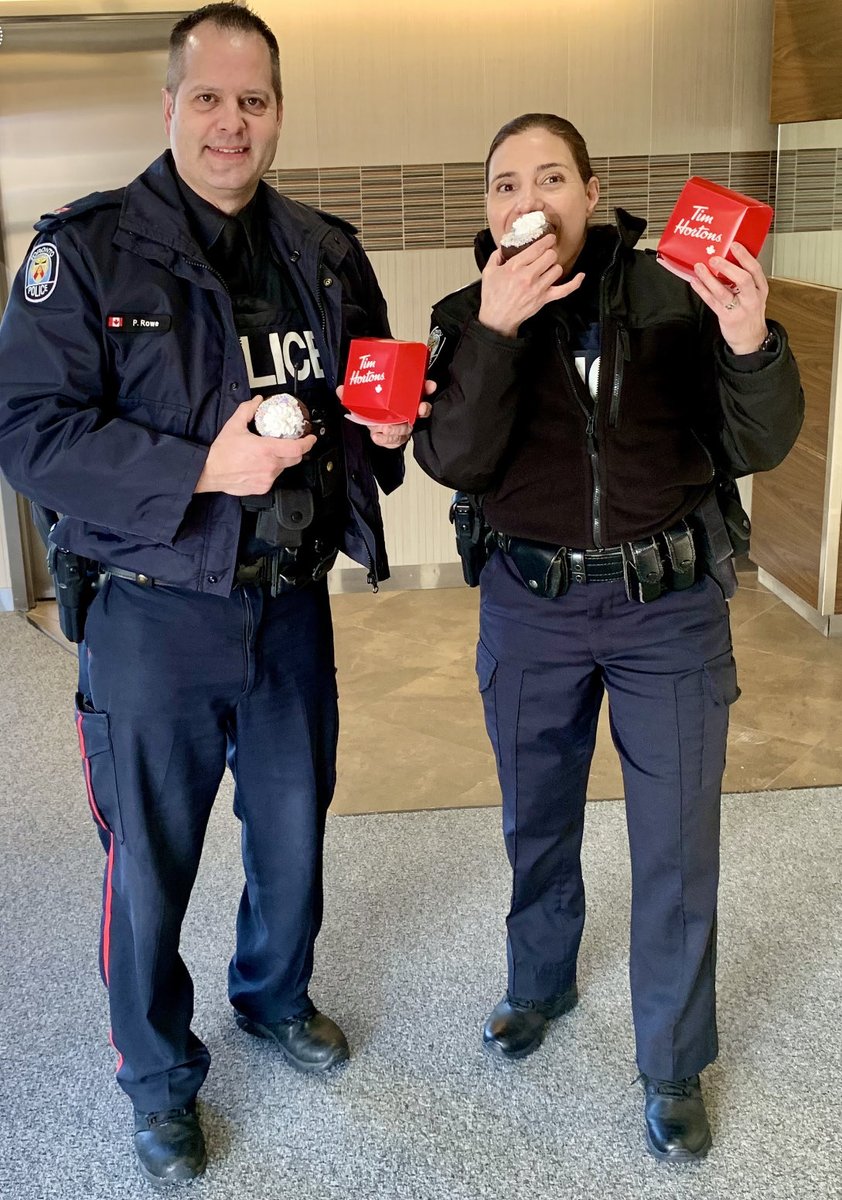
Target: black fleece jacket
x,y
513,420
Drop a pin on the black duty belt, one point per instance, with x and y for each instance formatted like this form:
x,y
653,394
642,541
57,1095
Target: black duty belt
x,y
288,570
279,572
650,566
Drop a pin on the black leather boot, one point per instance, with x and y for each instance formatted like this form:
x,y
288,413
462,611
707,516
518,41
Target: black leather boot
x,y
516,1027
310,1043
677,1128
170,1146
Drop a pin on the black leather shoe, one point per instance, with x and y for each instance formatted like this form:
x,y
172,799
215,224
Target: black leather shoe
x,y
516,1027
170,1146
677,1128
311,1042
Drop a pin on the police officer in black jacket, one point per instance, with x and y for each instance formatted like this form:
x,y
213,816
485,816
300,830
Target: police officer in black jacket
x,y
139,338
595,401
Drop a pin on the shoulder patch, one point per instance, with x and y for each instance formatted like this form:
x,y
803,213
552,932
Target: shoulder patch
x,y
435,344
41,272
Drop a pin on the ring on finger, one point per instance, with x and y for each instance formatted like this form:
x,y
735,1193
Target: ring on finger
x,y
735,303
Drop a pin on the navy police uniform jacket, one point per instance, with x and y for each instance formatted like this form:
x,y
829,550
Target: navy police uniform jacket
x,y
120,363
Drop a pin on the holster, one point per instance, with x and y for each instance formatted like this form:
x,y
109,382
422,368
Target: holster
x,y
715,548
75,577
737,523
472,535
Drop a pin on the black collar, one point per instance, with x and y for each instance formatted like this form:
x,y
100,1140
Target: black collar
x,y
207,221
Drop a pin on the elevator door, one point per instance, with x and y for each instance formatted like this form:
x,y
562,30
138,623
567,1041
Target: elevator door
x,y
80,112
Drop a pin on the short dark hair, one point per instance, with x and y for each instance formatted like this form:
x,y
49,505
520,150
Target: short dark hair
x,y
556,125
228,14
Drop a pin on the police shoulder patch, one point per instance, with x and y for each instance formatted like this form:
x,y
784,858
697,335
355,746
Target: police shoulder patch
x,y
41,272
435,342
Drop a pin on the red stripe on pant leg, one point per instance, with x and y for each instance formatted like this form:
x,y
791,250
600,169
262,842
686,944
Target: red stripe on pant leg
x,y
106,916
109,871
114,1048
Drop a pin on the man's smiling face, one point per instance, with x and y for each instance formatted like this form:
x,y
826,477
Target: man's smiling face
x,y
223,121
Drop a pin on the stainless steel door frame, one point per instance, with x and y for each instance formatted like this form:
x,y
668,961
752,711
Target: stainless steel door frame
x,y
41,50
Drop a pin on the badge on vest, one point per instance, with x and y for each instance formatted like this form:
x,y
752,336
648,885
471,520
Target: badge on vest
x,y
435,344
41,273
125,323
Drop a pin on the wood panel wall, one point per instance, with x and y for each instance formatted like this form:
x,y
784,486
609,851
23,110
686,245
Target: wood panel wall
x,y
806,61
788,504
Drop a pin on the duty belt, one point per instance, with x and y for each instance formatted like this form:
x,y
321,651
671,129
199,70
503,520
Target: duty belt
x,y
664,562
279,572
287,570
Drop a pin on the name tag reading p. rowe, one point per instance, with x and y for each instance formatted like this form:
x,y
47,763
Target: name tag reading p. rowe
x,y
138,322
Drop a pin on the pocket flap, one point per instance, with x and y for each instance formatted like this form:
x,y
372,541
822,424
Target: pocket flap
x,y
486,667
722,679
94,734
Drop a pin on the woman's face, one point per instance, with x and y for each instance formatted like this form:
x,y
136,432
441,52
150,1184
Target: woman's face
x,y
535,171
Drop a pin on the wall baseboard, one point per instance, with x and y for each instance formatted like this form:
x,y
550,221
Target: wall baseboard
x,y
827,626
7,600
406,578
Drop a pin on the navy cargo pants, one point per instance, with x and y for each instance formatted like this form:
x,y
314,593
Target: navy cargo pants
x,y
172,685
667,666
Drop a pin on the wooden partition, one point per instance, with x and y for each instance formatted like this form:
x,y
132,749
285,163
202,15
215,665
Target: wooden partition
x,y
796,507
806,61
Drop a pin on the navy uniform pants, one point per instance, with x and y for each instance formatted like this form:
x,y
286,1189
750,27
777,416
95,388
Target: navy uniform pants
x,y
173,685
667,666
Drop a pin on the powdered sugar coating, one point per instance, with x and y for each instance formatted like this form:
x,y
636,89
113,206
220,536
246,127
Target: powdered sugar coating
x,y
525,230
282,416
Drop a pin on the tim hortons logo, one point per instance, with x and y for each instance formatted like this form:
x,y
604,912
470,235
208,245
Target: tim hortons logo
x,y
366,372
703,219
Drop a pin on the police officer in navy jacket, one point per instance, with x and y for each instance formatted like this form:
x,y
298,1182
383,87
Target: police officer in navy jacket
x,y
141,334
599,405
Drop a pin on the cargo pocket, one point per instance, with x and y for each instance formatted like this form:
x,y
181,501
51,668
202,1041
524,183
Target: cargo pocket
x,y
98,760
486,671
721,677
721,690
486,667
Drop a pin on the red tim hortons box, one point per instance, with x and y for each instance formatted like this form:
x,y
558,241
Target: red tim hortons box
x,y
384,381
706,220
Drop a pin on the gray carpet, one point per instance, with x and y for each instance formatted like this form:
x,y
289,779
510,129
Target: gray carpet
x,y
410,960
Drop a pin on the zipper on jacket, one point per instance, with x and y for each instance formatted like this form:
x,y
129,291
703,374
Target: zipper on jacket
x,y
576,386
371,578
195,262
593,454
322,316
622,355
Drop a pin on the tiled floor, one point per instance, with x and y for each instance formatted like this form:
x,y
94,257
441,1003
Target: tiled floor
x,y
412,729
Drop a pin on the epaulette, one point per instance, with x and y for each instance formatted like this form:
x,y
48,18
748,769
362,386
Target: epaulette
x,y
69,212
339,222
